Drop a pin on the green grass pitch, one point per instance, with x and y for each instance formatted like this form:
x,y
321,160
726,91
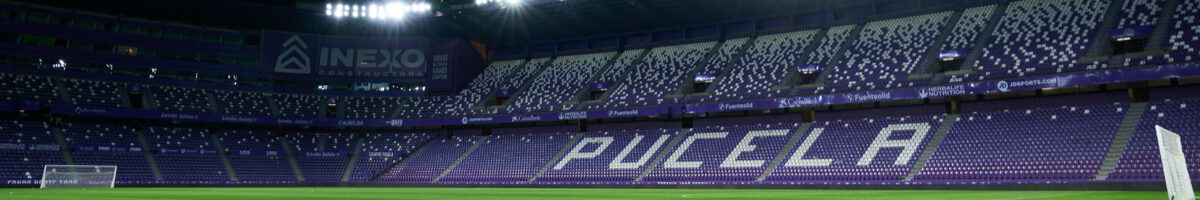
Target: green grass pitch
x,y
544,193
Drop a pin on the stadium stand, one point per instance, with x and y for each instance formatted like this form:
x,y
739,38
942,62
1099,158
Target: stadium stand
x,y
826,50
885,53
429,162
383,149
968,27
28,88
96,93
479,88
1136,13
87,138
762,66
1062,31
242,103
705,156
510,155
559,82
1029,144
622,156
303,106
1141,161
322,156
648,83
369,107
183,99
202,165
256,155
26,165
841,150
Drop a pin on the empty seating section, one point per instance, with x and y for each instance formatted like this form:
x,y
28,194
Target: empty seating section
x,y
90,141
1064,143
482,86
825,51
190,168
662,72
725,52
1141,161
256,155
182,99
179,138
527,71
176,165
509,157
559,82
517,79
623,62
1038,37
885,53
434,106
322,168
1135,13
25,166
329,165
20,88
723,153
634,148
968,28
131,167
26,132
381,150
431,161
95,134
242,103
369,107
829,45
765,64
322,141
301,106
96,93
841,150
234,140
305,141
1183,36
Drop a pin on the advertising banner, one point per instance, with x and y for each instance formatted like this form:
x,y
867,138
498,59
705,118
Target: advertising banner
x,y
254,153
323,154
107,148
297,53
34,147
186,151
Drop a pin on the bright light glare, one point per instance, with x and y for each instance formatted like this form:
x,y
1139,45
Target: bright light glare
x,y
384,11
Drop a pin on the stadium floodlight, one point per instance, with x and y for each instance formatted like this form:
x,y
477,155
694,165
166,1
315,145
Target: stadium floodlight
x,y
373,11
344,11
389,11
79,176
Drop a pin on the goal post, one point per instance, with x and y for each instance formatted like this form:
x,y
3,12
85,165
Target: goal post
x,y
79,176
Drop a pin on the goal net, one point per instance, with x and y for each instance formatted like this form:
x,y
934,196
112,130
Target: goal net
x,y
79,176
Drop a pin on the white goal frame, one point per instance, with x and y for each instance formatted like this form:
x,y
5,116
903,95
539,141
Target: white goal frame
x,y
46,169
